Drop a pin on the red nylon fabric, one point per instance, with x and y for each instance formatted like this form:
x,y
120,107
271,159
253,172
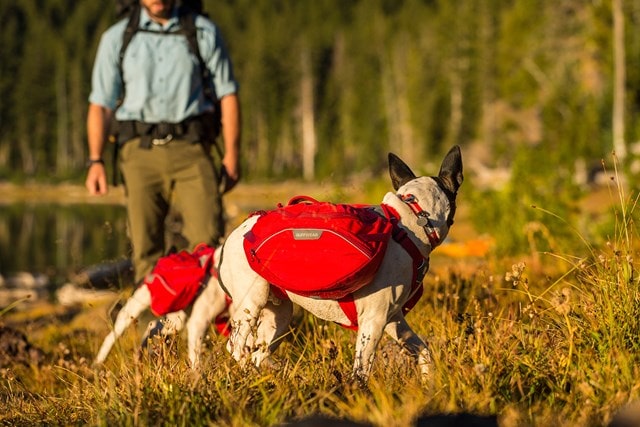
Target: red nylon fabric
x,y
347,304
318,249
177,279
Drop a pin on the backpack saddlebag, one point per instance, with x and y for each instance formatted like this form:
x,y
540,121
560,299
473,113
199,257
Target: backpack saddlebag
x,y
318,249
178,278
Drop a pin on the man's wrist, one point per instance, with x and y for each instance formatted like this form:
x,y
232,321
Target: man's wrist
x,y
91,162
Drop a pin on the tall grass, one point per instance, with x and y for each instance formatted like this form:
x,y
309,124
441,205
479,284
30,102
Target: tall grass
x,y
548,339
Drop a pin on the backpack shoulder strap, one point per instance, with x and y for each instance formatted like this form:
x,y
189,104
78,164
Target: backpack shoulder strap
x,y
129,32
188,29
188,25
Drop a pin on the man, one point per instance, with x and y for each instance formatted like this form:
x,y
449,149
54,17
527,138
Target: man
x,y
164,128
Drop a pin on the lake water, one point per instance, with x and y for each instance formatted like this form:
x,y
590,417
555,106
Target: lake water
x,y
39,235
59,240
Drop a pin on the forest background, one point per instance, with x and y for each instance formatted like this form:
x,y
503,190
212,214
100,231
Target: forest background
x,y
330,84
535,90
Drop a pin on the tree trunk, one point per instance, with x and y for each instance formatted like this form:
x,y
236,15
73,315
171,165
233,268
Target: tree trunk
x,y
619,81
307,117
62,152
26,153
78,109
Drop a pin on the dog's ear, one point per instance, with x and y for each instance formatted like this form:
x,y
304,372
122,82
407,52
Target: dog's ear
x,y
399,171
451,170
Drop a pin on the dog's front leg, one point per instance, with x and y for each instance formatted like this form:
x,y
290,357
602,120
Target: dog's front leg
x,y
208,305
245,318
399,330
369,335
139,301
273,324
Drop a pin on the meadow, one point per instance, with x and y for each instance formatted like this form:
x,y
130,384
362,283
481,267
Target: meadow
x,y
543,338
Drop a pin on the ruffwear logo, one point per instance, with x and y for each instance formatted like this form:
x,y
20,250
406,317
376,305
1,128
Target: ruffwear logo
x,y
307,234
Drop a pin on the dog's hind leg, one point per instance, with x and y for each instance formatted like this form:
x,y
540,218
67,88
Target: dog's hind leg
x,y
399,330
211,303
139,301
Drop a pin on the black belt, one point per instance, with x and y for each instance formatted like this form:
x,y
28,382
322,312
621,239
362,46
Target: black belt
x,y
202,129
154,134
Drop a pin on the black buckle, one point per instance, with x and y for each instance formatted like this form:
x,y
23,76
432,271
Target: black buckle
x,y
163,129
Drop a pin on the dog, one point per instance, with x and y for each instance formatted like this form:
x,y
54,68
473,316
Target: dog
x,y
425,207
211,303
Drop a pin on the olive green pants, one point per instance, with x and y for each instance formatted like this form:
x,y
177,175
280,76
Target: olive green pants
x,y
179,176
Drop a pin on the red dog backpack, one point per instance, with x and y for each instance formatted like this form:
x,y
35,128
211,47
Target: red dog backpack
x,y
178,278
318,249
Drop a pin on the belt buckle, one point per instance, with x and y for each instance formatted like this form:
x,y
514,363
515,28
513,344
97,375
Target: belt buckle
x,y
162,141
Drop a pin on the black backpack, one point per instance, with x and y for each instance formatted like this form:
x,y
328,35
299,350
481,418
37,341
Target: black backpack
x,y
188,9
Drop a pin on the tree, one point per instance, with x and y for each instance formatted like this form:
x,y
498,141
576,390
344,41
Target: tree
x,y
619,80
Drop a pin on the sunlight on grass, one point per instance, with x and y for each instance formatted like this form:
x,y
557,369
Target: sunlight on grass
x,y
549,339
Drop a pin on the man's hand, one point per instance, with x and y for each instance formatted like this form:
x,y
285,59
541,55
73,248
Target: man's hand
x,y
228,180
96,181
98,120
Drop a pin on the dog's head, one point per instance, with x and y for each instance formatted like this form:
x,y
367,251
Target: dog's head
x,y
431,199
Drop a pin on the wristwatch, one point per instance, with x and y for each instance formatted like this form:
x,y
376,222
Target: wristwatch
x,y
92,162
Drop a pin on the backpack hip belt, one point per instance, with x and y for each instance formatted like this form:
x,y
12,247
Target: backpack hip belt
x,y
157,134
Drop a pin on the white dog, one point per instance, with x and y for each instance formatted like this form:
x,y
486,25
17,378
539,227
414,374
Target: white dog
x,y
209,304
425,208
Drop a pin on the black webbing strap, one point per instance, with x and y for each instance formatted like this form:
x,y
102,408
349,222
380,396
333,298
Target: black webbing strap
x,y
132,28
187,19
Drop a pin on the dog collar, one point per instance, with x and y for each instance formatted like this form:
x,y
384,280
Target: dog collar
x,y
423,219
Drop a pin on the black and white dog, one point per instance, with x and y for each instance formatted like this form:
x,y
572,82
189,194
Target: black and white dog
x,y
209,304
425,209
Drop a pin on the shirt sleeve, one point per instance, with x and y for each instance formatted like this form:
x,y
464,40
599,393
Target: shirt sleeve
x,y
106,83
215,55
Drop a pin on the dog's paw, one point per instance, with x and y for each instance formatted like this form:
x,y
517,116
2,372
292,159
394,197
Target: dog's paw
x,y
97,365
269,363
359,380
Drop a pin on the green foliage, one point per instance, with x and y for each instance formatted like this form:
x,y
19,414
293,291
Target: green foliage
x,y
412,77
536,209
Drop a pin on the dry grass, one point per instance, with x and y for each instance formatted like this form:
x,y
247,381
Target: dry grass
x,y
548,339
527,348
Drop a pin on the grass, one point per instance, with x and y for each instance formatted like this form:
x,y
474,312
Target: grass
x,y
547,339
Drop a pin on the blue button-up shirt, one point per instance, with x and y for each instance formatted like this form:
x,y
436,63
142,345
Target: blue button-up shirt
x,y
162,77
